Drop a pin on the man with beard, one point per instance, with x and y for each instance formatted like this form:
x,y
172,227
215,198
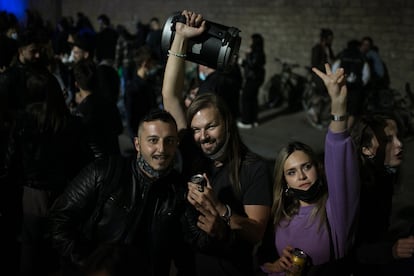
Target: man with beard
x,y
234,206
135,201
13,98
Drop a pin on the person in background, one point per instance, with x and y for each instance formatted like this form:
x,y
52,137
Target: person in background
x,y
106,40
379,73
140,95
321,53
315,207
357,77
100,118
153,40
38,164
13,100
124,64
234,206
13,80
225,84
82,48
107,81
377,251
254,75
8,39
124,54
107,77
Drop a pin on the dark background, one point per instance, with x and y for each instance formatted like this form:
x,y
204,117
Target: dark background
x,y
290,27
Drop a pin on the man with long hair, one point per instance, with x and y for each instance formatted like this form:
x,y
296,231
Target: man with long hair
x,y
234,207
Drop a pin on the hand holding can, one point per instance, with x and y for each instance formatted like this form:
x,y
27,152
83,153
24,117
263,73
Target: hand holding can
x,y
299,258
200,180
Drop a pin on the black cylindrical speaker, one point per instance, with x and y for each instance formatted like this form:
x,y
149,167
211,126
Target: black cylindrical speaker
x,y
216,48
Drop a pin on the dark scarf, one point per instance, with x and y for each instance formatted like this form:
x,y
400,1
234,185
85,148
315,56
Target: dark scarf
x,y
145,167
221,152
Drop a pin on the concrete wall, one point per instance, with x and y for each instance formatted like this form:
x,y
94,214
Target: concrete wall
x,y
290,27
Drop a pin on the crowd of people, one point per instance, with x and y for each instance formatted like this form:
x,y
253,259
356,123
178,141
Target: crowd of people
x,y
366,71
73,204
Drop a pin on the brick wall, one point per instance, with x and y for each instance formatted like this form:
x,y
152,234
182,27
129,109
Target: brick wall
x,y
290,27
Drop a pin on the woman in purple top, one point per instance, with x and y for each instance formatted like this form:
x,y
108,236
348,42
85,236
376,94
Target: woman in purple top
x,y
314,209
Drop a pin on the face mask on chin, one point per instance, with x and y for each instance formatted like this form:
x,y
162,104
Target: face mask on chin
x,y
219,154
152,72
311,195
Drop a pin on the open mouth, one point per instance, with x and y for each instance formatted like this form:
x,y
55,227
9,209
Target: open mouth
x,y
207,144
160,157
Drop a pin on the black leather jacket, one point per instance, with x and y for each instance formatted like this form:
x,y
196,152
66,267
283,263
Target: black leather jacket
x,y
134,210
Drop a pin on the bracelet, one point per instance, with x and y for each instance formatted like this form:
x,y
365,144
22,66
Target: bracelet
x,y
176,54
227,215
338,118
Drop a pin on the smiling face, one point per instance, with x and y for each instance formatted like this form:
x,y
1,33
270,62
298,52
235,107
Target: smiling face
x,y
393,148
157,143
209,130
299,171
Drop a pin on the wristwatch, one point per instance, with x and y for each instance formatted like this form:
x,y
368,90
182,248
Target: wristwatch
x,y
227,215
338,118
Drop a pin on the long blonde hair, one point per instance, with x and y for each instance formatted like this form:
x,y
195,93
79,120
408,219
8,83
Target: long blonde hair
x,y
285,207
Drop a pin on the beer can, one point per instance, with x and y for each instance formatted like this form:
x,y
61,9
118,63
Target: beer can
x,y
298,262
200,180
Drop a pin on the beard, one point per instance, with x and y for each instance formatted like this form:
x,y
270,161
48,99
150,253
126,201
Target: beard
x,y
220,149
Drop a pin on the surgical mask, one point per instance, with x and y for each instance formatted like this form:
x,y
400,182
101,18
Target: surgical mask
x,y
202,76
14,35
152,72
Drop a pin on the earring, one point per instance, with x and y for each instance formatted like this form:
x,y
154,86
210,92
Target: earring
x,y
288,192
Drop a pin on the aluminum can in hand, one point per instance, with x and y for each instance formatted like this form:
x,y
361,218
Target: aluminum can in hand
x,y
200,180
299,258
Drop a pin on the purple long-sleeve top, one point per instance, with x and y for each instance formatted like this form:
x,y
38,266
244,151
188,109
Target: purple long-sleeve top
x,y
303,232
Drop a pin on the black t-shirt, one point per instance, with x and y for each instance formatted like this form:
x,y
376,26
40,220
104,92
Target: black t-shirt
x,y
234,258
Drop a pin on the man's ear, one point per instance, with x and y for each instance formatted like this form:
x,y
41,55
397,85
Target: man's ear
x,y
366,151
136,143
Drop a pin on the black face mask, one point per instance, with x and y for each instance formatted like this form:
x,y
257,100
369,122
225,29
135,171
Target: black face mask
x,y
310,195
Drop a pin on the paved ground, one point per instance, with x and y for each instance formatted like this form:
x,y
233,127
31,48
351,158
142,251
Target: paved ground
x,y
276,129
